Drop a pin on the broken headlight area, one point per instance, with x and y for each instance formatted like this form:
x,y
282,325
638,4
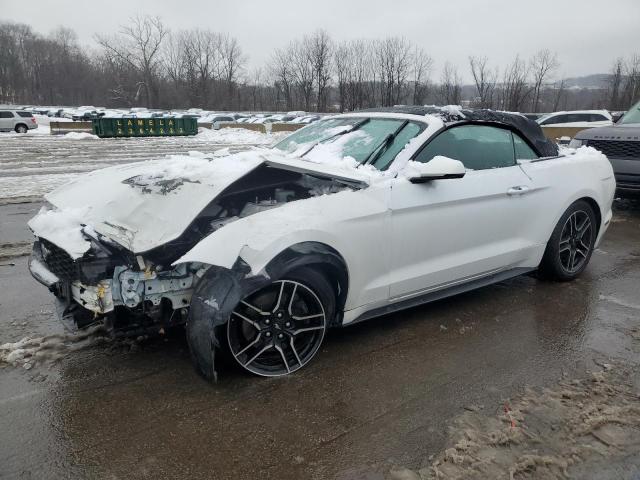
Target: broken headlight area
x,y
127,293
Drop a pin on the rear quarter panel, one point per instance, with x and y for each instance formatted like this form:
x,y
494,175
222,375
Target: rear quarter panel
x,y
558,182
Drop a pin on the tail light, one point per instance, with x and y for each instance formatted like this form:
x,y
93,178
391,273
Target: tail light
x,y
33,120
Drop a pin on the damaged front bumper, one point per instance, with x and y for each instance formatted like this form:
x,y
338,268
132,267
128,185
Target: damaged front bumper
x,y
128,300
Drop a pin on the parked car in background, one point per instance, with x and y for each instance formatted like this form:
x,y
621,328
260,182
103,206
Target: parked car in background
x,y
19,121
218,118
577,118
86,115
55,112
621,144
263,251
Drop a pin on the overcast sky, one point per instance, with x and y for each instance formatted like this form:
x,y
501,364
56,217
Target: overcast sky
x,y
586,34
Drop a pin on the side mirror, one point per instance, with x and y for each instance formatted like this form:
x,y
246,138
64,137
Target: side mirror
x,y
438,168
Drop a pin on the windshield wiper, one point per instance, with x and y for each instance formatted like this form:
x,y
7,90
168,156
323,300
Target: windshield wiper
x,y
353,128
382,147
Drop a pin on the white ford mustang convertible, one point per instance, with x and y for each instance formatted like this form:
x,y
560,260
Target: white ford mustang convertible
x,y
258,253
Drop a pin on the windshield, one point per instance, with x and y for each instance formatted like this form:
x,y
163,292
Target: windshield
x,y
359,139
632,116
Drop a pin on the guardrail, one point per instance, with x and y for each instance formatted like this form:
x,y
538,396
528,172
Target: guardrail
x,y
60,128
555,133
265,127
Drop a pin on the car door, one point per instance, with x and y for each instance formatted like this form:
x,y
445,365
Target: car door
x,y
6,120
450,231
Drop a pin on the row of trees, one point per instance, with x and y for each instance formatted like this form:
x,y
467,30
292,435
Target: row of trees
x,y
145,64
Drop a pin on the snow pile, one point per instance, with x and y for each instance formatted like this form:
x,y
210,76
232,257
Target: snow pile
x,y
80,136
62,227
575,429
239,136
581,151
453,110
30,351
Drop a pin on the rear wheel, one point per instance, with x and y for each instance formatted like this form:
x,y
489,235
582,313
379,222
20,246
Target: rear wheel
x,y
279,329
570,247
21,128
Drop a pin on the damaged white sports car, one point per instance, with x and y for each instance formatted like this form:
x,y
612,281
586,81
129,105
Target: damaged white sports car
x,y
352,217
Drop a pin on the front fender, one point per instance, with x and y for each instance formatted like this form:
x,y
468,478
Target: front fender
x,y
353,223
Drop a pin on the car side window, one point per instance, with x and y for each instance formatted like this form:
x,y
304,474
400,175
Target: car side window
x,y
596,117
556,119
478,147
6,115
522,149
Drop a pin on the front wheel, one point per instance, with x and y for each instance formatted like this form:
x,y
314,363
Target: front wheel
x,y
571,244
279,329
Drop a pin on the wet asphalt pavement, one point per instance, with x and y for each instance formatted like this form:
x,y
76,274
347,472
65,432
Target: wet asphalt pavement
x,y
378,395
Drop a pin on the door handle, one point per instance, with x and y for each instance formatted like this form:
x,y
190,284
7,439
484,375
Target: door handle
x,y
518,190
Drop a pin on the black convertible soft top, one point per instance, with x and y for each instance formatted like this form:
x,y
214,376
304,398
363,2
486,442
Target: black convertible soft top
x,y
450,115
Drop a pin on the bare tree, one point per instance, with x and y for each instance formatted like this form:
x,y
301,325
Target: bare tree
x,y
615,84
422,65
232,62
542,64
559,95
321,51
281,69
139,46
303,71
631,92
515,89
393,64
342,67
450,88
485,81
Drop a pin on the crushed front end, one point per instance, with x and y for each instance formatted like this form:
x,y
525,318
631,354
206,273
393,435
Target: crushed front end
x,y
129,294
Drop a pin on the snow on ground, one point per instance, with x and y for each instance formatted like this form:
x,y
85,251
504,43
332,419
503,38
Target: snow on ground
x,y
41,130
240,135
580,428
81,136
29,352
36,163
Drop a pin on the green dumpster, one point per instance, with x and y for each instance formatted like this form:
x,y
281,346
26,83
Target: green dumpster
x,y
145,127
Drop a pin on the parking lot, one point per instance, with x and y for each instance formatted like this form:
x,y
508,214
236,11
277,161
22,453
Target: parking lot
x,y
384,396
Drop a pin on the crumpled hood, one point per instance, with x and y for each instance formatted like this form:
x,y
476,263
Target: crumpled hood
x,y
144,205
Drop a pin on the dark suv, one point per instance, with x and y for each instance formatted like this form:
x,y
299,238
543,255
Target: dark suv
x,y
621,144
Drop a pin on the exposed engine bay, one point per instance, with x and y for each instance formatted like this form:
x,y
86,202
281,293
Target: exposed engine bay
x,y
141,293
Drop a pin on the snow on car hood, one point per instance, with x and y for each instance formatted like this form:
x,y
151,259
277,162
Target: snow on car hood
x,y
144,205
